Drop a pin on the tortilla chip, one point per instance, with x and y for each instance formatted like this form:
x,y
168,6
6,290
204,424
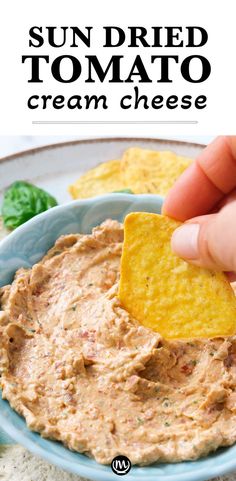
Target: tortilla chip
x,y
140,170
148,171
103,179
167,294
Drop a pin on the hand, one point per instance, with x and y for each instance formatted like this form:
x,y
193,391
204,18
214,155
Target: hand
x,y
205,197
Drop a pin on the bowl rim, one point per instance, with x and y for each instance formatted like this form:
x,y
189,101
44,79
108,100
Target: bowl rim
x,y
113,196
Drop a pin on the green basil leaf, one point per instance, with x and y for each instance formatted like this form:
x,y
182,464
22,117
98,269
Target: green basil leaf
x,y
22,201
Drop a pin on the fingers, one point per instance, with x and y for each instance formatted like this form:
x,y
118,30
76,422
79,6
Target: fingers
x,y
193,194
231,276
205,183
226,200
209,241
218,162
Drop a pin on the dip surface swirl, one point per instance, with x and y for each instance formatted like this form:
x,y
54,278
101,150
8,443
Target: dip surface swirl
x,y
82,371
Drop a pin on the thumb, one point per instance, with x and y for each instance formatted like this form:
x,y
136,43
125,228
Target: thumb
x,y
209,241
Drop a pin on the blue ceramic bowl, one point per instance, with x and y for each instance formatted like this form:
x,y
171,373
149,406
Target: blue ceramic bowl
x,y
25,246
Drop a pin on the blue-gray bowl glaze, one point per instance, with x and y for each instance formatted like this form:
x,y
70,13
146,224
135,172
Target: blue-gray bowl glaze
x,y
25,246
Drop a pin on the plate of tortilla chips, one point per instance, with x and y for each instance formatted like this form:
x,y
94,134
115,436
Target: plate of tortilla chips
x,y
87,168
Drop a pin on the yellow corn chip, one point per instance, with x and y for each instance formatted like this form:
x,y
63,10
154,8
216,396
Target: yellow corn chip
x,y
148,171
104,178
167,294
140,170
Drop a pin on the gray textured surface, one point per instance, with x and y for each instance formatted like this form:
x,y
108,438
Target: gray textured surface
x,y
17,464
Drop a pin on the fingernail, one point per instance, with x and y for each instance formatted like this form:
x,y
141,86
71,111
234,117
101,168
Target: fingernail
x,y
184,241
